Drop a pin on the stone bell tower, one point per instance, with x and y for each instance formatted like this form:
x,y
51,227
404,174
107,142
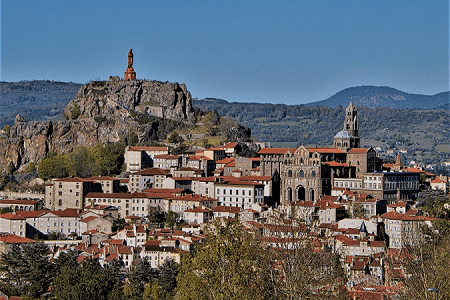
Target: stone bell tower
x,y
130,74
348,138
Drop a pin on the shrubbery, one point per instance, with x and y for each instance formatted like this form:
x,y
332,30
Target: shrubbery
x,y
101,160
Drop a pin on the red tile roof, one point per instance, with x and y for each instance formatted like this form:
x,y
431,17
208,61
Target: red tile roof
x,y
230,145
88,219
22,202
359,150
225,161
152,171
347,241
68,212
326,150
199,209
228,209
11,216
276,150
9,238
255,178
327,204
399,216
141,148
75,179
335,164
437,180
398,204
31,213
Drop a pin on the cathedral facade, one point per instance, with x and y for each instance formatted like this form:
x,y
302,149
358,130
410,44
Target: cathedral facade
x,y
305,173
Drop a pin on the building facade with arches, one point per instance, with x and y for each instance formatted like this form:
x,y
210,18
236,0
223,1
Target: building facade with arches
x,y
307,173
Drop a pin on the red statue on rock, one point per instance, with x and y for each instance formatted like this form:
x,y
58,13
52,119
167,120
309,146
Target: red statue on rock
x,y
130,74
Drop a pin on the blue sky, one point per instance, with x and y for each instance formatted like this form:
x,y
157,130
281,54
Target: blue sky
x,y
288,52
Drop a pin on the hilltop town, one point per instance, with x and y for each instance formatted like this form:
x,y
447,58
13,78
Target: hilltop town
x,y
343,201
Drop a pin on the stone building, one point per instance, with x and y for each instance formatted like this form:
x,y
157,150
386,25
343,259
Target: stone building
x,y
138,157
69,193
307,173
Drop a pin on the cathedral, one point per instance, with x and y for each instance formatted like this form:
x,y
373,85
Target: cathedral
x,y
306,173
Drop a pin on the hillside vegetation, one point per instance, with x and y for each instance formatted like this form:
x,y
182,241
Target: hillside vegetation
x,y
423,132
35,100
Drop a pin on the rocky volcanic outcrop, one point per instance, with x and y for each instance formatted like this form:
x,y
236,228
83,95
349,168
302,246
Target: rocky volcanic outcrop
x,y
102,112
117,97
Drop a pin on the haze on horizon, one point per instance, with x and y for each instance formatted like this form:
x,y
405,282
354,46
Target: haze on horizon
x,y
289,52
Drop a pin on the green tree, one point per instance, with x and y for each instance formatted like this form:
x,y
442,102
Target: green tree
x,y
75,112
7,130
25,270
88,281
53,167
427,263
31,167
152,291
139,276
108,159
168,272
80,162
118,224
224,267
175,138
156,215
171,219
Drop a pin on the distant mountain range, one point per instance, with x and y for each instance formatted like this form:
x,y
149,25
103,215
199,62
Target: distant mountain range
x,y
375,97
383,96
43,99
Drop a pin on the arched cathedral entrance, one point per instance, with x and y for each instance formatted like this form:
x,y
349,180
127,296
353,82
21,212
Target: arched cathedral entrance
x,y
301,193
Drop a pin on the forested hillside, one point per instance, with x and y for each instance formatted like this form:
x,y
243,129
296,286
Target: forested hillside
x,y
423,132
35,100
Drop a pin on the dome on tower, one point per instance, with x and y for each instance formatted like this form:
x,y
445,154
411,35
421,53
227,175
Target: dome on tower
x,y
343,134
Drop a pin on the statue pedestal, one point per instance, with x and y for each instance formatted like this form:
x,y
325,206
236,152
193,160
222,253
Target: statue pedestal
x,y
130,74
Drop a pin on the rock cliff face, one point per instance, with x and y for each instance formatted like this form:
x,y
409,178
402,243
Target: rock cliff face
x,y
117,97
102,112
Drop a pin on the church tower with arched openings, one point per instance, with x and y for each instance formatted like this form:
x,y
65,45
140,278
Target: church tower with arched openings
x,y
348,138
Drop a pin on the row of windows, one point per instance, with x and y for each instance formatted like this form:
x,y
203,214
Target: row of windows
x,y
249,200
301,174
348,184
231,192
104,200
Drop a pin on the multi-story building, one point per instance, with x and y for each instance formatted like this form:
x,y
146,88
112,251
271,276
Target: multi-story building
x,y
179,204
147,178
69,193
167,161
392,186
403,230
204,186
198,215
238,193
201,162
135,204
215,154
108,184
137,158
13,223
43,222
